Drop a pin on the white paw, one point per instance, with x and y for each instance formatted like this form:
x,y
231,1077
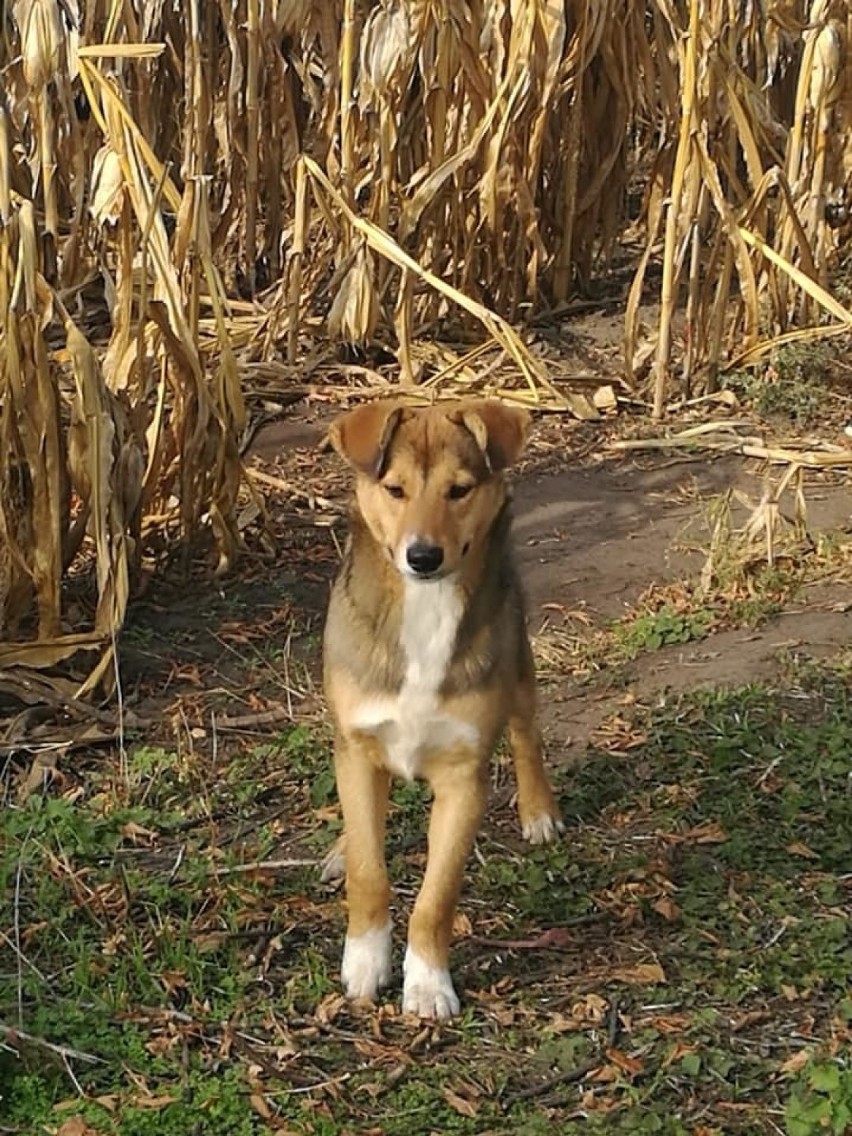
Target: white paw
x,y
428,990
543,829
366,963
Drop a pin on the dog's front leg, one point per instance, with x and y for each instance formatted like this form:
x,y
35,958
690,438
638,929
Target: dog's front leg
x,y
363,789
460,786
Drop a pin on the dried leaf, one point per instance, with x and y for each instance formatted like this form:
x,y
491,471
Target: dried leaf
x,y
329,1008
711,832
354,309
678,1052
666,907
797,848
459,1103
797,1062
259,1103
77,1126
41,773
590,1009
643,974
604,398
633,1066
42,37
153,1103
461,925
386,51
670,1023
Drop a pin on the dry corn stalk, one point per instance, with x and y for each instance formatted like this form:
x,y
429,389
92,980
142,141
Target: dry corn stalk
x,y
149,424
748,185
412,164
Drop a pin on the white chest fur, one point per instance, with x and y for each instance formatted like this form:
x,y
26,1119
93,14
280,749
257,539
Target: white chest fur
x,y
411,724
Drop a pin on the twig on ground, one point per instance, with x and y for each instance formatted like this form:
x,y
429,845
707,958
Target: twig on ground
x,y
331,1081
261,718
814,459
552,938
13,1038
290,490
38,692
21,956
566,1077
264,866
717,436
612,1031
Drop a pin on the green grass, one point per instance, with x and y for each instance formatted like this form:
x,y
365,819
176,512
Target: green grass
x,y
682,960
651,630
656,623
793,387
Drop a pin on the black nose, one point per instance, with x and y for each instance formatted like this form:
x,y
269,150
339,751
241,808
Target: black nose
x,y
424,559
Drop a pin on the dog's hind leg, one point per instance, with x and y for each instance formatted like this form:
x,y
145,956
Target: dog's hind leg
x,y
538,811
363,789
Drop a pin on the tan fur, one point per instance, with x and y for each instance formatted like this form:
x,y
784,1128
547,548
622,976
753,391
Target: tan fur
x,y
422,676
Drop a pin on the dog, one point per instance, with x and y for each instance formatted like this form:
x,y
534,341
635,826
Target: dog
x,y
426,661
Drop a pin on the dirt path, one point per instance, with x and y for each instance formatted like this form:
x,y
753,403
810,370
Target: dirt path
x,y
593,539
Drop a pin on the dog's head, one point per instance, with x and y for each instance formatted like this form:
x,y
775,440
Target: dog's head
x,y
429,482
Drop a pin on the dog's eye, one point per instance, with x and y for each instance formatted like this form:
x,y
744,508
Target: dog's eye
x,y
456,492
395,491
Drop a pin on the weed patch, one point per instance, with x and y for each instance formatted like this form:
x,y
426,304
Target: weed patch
x,y
792,387
821,1099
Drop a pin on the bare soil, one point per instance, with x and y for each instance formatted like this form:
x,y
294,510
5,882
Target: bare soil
x,y
594,538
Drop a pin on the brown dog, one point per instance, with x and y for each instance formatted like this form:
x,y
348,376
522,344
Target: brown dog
x,y
426,662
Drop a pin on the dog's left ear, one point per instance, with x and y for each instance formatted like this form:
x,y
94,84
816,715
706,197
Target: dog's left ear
x,y
500,431
362,436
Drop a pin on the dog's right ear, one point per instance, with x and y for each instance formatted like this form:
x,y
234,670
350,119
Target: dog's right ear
x,y
362,436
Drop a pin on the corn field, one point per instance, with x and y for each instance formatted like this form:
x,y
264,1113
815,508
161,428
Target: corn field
x,y
194,196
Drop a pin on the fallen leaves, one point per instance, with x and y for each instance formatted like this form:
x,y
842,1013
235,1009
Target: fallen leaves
x,y
618,734
77,1126
667,908
711,832
462,927
643,974
631,1066
678,1052
589,1011
466,1102
666,1023
329,1008
796,1063
138,834
567,1012
797,848
646,886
